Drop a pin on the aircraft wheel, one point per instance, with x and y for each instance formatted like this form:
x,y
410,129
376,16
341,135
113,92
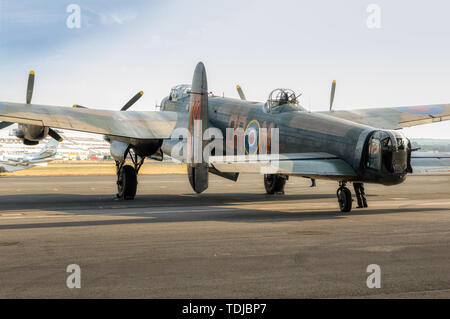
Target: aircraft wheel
x,y
274,184
345,199
127,183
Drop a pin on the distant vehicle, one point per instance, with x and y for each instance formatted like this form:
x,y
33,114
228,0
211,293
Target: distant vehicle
x,y
12,163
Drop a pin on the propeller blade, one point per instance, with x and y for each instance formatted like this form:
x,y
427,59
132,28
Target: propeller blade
x,y
5,124
333,91
30,87
241,93
79,106
55,135
132,101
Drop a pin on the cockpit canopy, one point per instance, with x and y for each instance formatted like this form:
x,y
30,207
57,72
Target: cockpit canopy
x,y
282,100
180,91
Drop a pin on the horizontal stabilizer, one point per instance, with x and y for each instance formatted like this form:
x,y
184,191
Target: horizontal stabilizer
x,y
301,164
423,162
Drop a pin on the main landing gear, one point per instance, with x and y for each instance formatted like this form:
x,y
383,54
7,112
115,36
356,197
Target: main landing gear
x,y
127,176
344,196
275,184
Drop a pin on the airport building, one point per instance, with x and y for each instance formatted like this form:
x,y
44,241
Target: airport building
x,y
73,147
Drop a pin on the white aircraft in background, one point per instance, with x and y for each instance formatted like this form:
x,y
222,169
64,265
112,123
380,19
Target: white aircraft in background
x,y
12,163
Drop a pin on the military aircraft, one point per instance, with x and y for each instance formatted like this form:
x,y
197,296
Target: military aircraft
x,y
358,146
13,163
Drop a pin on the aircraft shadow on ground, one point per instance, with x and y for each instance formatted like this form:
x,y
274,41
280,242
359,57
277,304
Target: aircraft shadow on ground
x,y
208,207
70,202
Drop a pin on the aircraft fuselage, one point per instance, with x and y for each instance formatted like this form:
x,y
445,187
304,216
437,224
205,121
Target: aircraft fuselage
x,y
301,131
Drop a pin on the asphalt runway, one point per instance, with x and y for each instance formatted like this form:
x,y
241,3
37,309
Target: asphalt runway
x,y
231,242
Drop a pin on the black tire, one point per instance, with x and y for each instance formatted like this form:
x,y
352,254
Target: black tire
x,y
345,199
274,184
127,183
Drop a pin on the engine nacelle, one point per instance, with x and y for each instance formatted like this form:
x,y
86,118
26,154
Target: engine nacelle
x,y
31,134
143,148
119,150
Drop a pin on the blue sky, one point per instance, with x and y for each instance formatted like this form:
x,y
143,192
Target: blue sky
x,y
125,46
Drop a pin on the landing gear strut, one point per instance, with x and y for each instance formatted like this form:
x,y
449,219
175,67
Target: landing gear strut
x,y
344,198
127,176
274,184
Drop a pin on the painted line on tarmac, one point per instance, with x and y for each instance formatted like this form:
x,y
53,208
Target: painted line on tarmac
x,y
169,211
15,216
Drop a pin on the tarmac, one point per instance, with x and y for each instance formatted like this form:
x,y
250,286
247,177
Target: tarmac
x,y
231,242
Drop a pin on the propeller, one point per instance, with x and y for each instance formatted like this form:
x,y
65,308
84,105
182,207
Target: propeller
x,y
133,100
241,93
54,135
333,91
30,88
129,104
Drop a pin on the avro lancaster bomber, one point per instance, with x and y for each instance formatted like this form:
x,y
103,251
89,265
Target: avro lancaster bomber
x,y
277,138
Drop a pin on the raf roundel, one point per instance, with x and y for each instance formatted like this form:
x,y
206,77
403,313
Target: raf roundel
x,y
422,110
252,138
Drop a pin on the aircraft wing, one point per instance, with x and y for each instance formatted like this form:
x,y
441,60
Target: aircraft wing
x,y
9,168
129,124
430,162
302,164
396,117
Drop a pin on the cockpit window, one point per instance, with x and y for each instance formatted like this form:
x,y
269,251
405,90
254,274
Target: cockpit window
x,y
402,143
179,92
387,142
374,154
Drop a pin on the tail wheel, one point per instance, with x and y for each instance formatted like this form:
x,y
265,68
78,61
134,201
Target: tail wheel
x,y
274,184
127,183
345,199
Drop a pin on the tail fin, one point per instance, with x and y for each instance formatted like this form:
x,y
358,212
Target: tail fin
x,y
198,115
